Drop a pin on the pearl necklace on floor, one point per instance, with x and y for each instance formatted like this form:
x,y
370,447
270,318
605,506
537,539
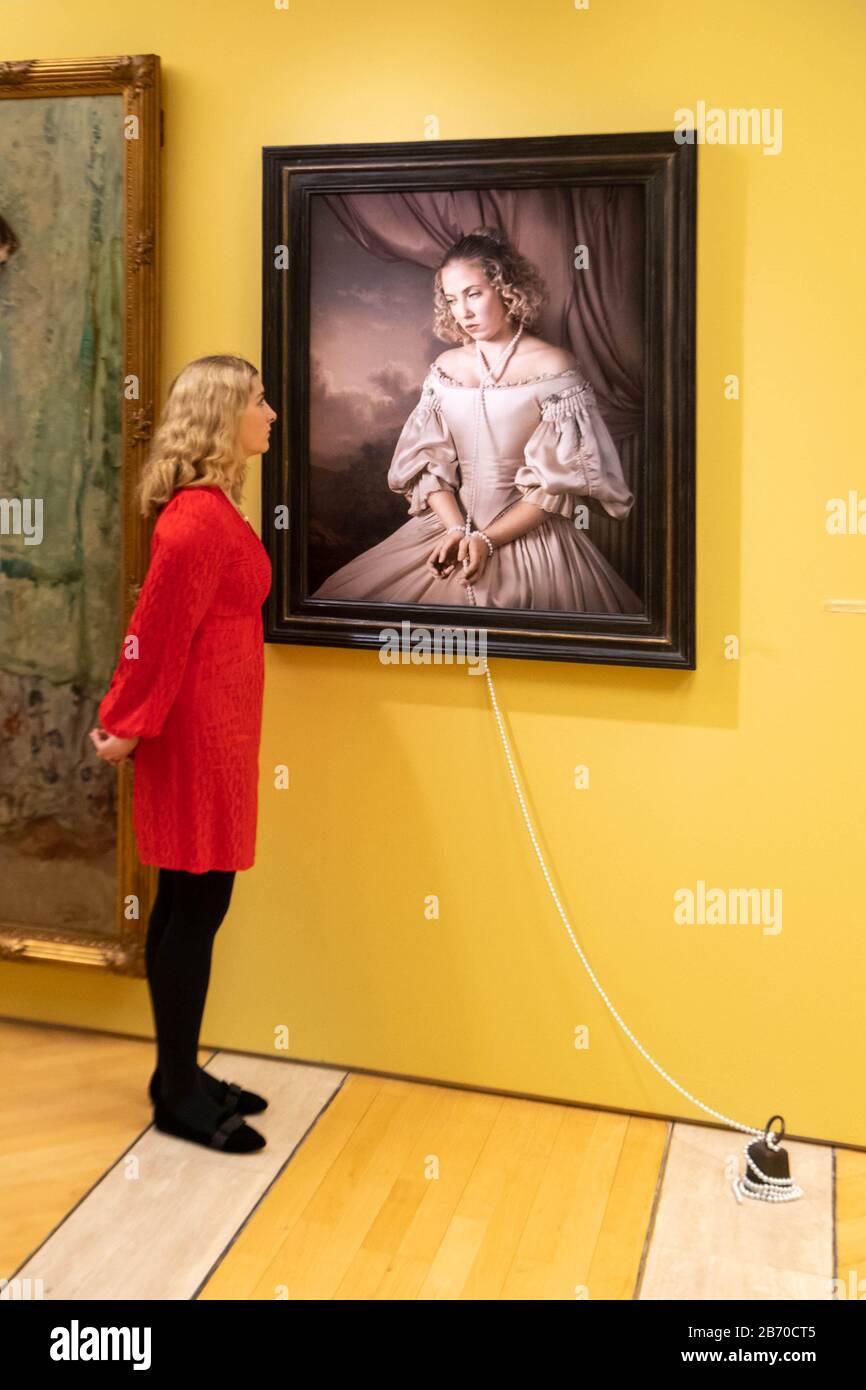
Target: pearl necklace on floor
x,y
766,1189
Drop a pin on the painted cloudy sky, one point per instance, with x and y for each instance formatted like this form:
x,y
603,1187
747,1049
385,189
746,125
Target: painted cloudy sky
x,y
371,342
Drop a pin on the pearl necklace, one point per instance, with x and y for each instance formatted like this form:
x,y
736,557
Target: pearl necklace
x,y
488,376
766,1189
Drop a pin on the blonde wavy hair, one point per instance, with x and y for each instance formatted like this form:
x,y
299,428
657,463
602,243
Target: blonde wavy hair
x,y
196,441
519,284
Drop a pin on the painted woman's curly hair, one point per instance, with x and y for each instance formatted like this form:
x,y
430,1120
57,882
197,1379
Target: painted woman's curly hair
x,y
519,284
196,441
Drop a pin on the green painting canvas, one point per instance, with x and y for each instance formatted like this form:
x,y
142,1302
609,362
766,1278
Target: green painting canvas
x,y
61,358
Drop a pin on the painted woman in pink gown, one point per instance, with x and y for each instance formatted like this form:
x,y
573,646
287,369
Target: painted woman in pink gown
x,y
517,445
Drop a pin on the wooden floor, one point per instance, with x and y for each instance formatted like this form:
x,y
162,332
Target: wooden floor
x,y
374,1188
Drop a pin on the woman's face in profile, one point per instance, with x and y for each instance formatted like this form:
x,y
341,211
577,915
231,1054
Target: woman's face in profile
x,y
473,301
256,421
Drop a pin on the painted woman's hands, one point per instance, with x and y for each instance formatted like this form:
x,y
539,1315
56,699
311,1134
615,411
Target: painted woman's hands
x,y
452,551
110,748
473,551
443,556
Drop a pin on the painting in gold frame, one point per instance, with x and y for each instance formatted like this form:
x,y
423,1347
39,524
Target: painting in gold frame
x,y
79,364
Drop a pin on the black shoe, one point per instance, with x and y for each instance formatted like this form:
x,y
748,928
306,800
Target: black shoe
x,y
230,1096
231,1134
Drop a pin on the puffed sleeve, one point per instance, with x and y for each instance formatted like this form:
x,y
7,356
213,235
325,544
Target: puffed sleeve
x,y
571,455
425,459
187,554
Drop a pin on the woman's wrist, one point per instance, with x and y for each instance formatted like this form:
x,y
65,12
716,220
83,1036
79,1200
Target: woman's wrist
x,y
486,539
483,535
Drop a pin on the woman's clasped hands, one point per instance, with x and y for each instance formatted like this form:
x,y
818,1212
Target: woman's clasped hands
x,y
455,549
112,749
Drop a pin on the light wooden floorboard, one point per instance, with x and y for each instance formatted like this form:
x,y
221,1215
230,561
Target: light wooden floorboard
x,y
159,1220
706,1245
408,1191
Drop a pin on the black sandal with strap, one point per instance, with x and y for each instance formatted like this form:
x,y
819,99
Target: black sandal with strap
x,y
232,1134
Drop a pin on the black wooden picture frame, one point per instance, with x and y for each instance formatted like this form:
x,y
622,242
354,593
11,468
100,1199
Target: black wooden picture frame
x,y
666,172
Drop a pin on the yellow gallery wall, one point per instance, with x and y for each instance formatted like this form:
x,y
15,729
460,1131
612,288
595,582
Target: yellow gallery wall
x,y
748,772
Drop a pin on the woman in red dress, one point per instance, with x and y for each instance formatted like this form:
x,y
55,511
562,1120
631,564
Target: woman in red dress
x,y
185,702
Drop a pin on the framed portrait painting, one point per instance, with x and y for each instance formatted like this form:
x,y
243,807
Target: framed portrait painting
x,y
481,354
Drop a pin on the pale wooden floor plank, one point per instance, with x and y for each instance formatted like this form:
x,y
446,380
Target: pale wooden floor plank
x,y
158,1220
706,1245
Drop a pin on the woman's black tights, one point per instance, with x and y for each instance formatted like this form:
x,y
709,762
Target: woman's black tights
x,y
186,915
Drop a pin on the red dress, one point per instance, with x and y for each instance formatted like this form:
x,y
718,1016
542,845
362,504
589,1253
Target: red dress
x,y
192,691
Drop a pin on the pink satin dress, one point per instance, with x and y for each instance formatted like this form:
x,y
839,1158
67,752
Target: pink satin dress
x,y
541,440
